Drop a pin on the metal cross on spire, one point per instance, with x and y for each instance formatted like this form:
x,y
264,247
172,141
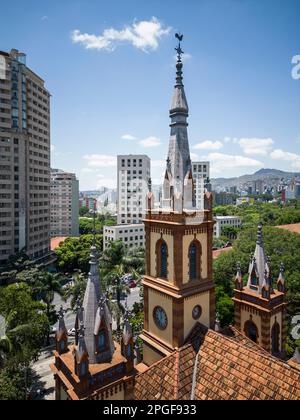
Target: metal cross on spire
x,y
179,36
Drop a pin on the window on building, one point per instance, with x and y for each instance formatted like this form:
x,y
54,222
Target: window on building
x,y
195,260
275,334
162,259
251,330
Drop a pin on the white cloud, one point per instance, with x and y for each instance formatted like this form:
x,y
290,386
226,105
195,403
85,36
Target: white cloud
x,y
158,163
256,146
128,137
86,170
279,154
150,142
144,35
194,156
208,145
100,161
221,162
106,182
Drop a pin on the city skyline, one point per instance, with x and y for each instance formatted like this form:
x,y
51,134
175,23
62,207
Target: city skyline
x,y
243,99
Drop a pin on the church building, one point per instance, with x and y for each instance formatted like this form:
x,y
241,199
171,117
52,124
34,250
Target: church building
x,y
186,355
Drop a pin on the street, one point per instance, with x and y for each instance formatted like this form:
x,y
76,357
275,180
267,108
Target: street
x,y
70,316
132,298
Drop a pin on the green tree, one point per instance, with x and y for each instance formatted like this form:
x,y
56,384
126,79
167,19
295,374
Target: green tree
x,y
74,253
84,211
26,321
76,291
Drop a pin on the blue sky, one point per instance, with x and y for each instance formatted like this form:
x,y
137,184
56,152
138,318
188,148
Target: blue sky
x,y
110,69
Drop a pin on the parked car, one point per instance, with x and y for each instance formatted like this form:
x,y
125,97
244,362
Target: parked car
x,y
72,332
53,330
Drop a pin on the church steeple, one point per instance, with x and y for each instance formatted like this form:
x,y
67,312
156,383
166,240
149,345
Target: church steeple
x,y
178,184
259,308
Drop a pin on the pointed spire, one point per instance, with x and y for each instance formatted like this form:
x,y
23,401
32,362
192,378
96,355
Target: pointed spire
x,y
260,234
217,323
61,321
103,342
61,337
81,349
239,277
281,279
127,330
178,190
137,350
259,265
90,302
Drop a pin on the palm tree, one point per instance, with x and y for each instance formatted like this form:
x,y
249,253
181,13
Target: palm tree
x,y
118,288
50,284
5,349
75,292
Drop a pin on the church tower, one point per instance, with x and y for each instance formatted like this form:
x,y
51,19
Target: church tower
x,y
94,366
259,308
178,285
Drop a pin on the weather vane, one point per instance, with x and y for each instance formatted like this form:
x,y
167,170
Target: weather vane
x,y
179,36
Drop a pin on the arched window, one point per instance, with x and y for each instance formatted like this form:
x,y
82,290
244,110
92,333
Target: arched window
x,y
251,331
195,260
101,341
162,259
275,334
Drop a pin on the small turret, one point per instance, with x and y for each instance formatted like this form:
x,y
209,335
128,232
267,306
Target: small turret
x,y
104,346
239,278
281,279
81,355
62,334
127,343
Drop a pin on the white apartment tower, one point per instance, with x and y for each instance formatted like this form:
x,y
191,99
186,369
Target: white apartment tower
x,y
24,160
133,184
200,175
64,204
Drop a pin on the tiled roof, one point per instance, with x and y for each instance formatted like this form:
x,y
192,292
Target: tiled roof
x,y
295,228
227,366
218,252
55,242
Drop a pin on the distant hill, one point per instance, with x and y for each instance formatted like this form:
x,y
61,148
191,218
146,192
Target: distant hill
x,y
269,175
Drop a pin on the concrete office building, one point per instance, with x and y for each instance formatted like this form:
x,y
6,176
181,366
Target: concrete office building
x,y
200,175
133,178
222,221
133,184
133,236
24,160
64,204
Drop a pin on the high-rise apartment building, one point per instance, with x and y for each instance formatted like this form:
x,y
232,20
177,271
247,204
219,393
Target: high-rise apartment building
x,y
200,175
64,204
133,179
133,186
24,159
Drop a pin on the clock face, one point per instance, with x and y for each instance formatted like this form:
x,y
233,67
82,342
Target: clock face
x,y
160,318
197,311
